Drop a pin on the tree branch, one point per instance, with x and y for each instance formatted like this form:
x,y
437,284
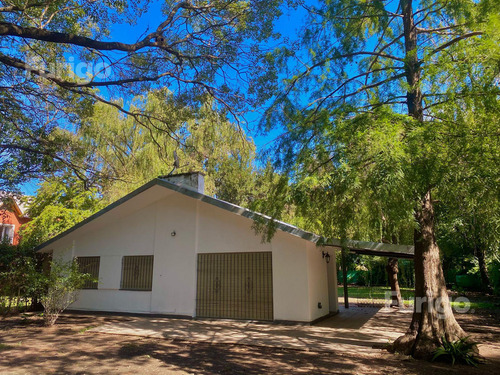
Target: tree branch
x,y
455,40
438,29
20,64
10,29
16,8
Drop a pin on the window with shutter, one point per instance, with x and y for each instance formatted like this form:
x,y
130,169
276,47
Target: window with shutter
x,y
89,265
137,272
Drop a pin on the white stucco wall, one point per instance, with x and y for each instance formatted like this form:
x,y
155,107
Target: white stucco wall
x,y
300,277
174,273
318,282
132,234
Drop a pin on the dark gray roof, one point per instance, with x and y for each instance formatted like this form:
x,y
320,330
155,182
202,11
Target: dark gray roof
x,y
374,248
238,210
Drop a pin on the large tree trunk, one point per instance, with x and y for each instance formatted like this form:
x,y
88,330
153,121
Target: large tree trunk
x,y
433,317
392,273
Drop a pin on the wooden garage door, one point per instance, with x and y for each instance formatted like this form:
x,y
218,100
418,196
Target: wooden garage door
x,y
235,285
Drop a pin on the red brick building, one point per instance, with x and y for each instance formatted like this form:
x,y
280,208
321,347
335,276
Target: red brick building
x,y
12,217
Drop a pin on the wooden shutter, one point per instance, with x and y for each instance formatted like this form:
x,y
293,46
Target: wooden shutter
x,y
235,285
89,265
137,272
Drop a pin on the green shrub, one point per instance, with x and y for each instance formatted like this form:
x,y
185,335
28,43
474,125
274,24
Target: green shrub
x,y
467,281
59,288
461,350
16,286
494,273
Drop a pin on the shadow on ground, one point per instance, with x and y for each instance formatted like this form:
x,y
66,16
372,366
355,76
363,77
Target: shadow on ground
x,y
71,348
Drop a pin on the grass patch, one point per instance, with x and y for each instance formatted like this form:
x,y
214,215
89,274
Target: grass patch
x,y
377,295
85,329
375,292
475,305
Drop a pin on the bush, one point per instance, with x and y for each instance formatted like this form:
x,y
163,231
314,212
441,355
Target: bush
x,y
23,282
59,288
17,289
472,282
494,272
461,350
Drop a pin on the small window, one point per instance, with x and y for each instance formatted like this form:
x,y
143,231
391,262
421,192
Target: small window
x,y
7,233
137,272
89,265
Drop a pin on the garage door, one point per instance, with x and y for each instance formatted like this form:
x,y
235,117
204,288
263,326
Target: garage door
x,y
235,285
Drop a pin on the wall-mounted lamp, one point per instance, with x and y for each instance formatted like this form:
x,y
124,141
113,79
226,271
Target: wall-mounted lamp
x,y
173,233
326,256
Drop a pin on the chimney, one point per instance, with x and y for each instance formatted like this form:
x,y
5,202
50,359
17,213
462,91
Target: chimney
x,y
191,180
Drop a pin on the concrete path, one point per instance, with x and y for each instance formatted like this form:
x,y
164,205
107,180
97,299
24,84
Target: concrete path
x,y
353,330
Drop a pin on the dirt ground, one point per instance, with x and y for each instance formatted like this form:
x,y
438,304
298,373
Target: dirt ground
x,y
26,347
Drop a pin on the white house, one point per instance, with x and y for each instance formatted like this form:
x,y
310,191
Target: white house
x,y
167,248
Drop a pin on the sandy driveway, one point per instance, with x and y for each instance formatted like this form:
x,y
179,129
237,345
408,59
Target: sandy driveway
x,y
78,344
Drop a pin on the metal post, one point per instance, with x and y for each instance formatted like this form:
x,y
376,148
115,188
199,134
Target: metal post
x,y
344,276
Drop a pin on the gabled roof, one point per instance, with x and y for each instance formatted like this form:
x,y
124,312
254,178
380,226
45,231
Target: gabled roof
x,y
235,209
15,203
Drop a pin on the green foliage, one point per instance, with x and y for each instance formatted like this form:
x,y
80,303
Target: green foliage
x,y
24,280
469,198
16,289
367,270
353,181
495,275
61,202
377,295
461,351
204,139
59,288
18,267
472,282
358,163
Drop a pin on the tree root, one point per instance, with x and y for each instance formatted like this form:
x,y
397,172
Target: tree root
x,y
420,346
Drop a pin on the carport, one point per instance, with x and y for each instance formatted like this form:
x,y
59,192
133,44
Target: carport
x,y
367,248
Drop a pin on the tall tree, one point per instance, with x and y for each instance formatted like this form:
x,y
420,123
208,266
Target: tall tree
x,y
127,155
59,57
392,274
369,106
